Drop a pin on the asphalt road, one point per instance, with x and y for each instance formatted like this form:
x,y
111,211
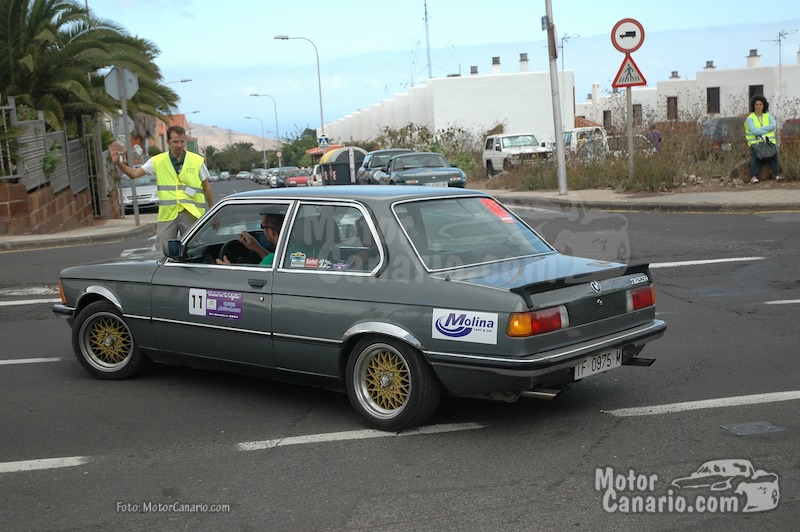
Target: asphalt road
x,y
160,451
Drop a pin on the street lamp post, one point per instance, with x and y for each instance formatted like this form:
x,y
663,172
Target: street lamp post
x,y
277,130
263,149
319,78
164,136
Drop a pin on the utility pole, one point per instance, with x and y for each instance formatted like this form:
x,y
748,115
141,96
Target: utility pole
x,y
547,25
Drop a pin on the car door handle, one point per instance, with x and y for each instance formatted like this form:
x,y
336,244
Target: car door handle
x,y
257,283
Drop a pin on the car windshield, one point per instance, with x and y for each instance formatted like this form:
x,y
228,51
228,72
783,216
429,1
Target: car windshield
x,y
424,160
381,159
452,233
519,141
145,180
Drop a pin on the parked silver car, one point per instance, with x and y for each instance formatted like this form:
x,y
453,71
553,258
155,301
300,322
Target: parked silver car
x,y
396,295
146,193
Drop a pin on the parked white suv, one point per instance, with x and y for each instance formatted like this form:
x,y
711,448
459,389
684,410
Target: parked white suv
x,y
509,151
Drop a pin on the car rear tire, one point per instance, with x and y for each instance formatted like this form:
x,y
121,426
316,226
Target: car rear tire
x,y
489,170
104,344
390,384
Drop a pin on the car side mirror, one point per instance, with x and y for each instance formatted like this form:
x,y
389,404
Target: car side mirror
x,y
173,250
454,165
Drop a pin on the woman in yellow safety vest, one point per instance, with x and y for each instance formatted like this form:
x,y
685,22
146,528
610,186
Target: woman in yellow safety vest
x,y
760,126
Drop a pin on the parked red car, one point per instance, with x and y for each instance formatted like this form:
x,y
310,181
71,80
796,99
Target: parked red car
x,y
297,178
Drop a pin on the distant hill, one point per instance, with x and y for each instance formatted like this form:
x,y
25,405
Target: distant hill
x,y
219,137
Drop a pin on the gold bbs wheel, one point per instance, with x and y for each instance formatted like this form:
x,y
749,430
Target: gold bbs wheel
x,y
391,384
103,343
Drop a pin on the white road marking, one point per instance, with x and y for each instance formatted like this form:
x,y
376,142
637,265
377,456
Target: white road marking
x,y
783,302
46,463
137,251
28,361
702,262
708,403
32,291
28,302
354,435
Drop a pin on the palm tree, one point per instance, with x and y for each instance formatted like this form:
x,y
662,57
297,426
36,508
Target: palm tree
x,y
211,154
53,58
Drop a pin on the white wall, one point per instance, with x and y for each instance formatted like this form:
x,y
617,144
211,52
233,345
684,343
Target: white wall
x,y
522,101
781,88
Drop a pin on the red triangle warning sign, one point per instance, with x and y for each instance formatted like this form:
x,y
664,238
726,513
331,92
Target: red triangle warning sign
x,y
629,74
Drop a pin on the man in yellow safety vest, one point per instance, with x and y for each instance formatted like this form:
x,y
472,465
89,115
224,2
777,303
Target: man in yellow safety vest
x,y
182,182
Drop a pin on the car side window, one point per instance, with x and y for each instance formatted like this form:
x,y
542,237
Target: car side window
x,y
225,226
332,238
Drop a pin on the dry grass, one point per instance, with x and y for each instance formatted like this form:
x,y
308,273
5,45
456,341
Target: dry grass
x,y
671,170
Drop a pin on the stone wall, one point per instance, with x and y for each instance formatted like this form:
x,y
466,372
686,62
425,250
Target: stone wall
x,y
42,211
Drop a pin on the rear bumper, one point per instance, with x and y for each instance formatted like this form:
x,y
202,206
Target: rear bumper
x,y
538,364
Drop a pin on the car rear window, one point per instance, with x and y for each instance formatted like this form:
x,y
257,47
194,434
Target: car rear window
x,y
457,232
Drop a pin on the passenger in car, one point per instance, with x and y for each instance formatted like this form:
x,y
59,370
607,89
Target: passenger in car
x,y
271,226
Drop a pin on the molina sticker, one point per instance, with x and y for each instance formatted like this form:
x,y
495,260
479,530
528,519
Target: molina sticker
x,y
215,303
464,326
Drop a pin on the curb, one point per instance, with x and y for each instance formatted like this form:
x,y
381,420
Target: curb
x,y
143,230
566,204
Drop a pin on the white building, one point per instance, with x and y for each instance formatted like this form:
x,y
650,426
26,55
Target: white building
x,y
521,100
714,92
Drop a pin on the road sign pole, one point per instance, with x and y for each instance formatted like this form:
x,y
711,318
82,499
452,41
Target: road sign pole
x,y
627,36
123,102
629,124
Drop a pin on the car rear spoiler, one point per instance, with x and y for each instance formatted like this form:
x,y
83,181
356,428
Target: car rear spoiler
x,y
528,290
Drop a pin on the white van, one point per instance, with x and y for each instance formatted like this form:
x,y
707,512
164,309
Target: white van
x,y
574,139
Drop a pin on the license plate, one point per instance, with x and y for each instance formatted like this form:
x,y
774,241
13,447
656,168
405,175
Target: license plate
x,y
598,363
435,184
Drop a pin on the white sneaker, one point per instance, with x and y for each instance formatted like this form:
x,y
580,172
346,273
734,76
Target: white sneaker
x,y
753,179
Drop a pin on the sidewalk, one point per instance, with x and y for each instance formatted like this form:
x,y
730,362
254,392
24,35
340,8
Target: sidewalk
x,y
750,200
731,201
101,231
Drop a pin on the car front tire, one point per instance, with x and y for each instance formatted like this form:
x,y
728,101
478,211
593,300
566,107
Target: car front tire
x,y
103,343
390,384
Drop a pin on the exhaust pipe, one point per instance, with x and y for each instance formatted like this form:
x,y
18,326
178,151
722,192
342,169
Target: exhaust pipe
x,y
639,361
540,393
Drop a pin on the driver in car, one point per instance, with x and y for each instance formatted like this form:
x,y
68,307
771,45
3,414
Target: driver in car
x,y
271,225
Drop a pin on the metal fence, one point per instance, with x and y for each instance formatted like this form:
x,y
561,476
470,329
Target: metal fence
x,y
33,144
26,144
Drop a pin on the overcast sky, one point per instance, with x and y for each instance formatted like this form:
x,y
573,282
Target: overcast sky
x,y
371,50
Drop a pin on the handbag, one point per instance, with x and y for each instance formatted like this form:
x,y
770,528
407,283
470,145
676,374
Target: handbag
x,y
765,150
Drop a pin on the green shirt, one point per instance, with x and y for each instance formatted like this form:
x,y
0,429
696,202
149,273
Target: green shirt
x,y
268,260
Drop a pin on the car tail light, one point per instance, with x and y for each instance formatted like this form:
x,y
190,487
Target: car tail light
x,y
537,322
638,298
